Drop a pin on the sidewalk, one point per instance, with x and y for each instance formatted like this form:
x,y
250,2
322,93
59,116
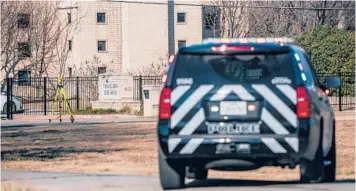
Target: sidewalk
x,y
36,120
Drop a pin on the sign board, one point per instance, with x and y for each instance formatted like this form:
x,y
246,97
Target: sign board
x,y
110,90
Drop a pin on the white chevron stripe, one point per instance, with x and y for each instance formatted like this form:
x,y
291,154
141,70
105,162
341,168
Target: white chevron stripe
x,y
288,91
191,146
273,123
189,104
272,144
173,143
237,89
279,105
192,125
178,92
293,142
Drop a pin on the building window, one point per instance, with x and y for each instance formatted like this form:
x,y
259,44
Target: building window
x,y
23,20
69,15
101,70
24,50
24,77
70,72
100,18
101,45
69,45
181,43
181,18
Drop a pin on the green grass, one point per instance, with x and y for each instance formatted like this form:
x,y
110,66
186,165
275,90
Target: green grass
x,y
95,112
124,110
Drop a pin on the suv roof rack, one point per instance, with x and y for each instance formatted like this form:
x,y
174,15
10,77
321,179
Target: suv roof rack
x,y
285,40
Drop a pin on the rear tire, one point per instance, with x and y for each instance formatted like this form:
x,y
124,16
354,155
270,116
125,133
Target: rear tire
x,y
313,171
171,173
201,174
330,170
13,107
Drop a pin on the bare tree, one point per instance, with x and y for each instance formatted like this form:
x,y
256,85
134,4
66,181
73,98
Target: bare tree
x,y
34,36
240,18
226,17
10,35
154,69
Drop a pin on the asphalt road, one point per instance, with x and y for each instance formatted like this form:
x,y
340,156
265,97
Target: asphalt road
x,y
101,182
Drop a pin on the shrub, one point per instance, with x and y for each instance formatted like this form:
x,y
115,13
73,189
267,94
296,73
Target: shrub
x,y
331,50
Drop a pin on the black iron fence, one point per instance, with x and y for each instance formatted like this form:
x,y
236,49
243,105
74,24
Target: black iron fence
x,y
342,98
37,94
139,81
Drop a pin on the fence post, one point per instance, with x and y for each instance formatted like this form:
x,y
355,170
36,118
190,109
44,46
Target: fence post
x,y
45,95
77,89
8,98
140,87
11,96
340,96
340,99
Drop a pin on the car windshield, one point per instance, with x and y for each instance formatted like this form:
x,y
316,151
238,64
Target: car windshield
x,y
257,68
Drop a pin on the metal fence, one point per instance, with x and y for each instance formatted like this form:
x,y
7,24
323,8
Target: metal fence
x,y
37,94
342,98
139,81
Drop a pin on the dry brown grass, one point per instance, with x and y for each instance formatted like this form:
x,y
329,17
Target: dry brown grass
x,y
9,186
128,149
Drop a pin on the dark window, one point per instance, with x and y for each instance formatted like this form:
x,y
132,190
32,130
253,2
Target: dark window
x,y
24,50
181,43
69,17
24,77
23,20
70,72
101,70
69,45
181,17
100,17
101,45
229,69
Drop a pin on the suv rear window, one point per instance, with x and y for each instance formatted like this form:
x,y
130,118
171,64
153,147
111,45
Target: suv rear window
x,y
225,69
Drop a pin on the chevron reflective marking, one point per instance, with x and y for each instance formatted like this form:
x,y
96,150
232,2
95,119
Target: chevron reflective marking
x,y
289,92
191,146
237,89
189,104
293,142
279,105
273,123
192,125
272,144
178,92
173,143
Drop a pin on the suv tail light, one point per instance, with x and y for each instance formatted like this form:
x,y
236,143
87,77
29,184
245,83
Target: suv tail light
x,y
303,103
165,104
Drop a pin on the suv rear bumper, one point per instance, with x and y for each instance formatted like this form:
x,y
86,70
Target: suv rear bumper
x,y
290,147
231,146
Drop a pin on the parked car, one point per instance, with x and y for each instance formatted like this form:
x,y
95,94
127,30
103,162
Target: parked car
x,y
16,104
240,104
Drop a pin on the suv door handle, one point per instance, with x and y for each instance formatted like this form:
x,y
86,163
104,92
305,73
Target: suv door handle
x,y
321,98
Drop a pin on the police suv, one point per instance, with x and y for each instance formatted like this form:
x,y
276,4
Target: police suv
x,y
240,104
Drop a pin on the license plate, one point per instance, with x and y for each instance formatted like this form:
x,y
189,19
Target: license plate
x,y
233,108
228,148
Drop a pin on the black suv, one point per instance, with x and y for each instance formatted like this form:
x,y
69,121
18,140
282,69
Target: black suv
x,y
240,104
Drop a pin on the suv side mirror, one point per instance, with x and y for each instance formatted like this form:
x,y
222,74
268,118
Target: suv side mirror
x,y
332,82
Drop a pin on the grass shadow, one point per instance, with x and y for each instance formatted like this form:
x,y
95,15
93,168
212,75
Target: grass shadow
x,y
247,183
48,153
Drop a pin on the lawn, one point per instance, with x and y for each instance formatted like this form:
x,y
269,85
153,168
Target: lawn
x,y
128,149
